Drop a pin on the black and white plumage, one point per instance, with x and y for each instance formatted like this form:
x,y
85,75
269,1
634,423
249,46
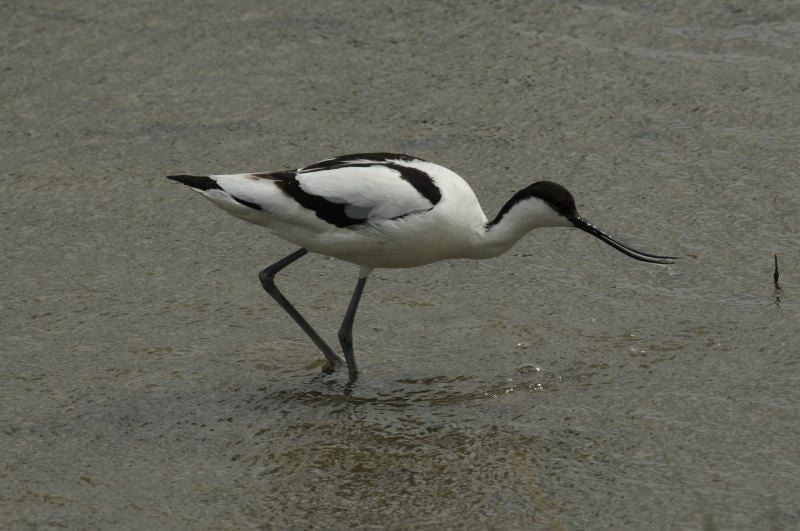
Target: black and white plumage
x,y
385,210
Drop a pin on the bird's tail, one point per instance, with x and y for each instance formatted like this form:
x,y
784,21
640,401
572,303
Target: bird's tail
x,y
198,182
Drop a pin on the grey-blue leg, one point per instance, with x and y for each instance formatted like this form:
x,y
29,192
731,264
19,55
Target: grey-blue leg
x,y
346,330
267,277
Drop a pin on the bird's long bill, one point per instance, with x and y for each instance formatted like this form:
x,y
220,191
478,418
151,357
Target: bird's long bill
x,y
584,225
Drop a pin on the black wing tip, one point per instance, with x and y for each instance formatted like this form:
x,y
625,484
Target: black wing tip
x,y
198,182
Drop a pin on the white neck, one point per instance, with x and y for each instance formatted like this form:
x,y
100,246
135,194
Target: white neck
x,y
498,237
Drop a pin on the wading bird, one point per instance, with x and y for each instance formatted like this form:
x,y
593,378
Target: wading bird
x,y
385,210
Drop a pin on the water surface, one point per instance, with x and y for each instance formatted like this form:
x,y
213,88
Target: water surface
x,y
148,382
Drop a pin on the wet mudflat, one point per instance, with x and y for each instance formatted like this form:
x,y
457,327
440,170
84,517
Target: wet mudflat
x,y
147,381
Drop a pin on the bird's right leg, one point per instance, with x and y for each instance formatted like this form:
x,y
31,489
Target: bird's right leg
x,y
267,277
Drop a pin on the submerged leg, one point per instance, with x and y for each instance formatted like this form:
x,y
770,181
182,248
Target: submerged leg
x,y
346,330
267,277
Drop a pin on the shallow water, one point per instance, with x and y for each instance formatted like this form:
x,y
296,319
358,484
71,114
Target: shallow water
x,y
147,380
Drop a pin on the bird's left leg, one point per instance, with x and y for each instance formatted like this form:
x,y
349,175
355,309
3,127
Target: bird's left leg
x,y
346,330
267,277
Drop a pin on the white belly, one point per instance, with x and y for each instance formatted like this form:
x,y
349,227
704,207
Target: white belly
x,y
407,242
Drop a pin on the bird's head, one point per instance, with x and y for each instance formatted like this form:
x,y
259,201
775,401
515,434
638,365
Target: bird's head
x,y
548,204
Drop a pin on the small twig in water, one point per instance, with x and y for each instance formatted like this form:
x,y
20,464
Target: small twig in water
x,y
775,273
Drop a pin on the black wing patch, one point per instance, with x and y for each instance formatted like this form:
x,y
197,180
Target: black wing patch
x,y
420,180
333,213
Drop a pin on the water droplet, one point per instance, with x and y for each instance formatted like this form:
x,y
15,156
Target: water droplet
x,y
529,368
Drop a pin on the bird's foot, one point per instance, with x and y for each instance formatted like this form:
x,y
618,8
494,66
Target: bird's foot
x,y
330,367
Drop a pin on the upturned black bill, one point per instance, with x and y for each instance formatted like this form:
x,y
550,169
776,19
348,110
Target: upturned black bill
x,y
585,226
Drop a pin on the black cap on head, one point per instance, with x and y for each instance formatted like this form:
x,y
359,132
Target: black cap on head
x,y
551,193
554,195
